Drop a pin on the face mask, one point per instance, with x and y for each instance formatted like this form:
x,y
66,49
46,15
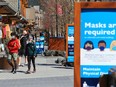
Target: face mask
x,y
101,48
88,48
29,41
114,48
13,37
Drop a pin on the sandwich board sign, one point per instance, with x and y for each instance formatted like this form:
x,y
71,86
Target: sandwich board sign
x,y
95,42
70,42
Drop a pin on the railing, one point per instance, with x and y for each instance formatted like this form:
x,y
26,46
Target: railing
x,y
13,4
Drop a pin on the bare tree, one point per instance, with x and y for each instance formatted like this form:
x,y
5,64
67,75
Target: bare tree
x,y
54,22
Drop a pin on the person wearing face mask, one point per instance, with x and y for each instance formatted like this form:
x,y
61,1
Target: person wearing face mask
x,y
31,54
13,47
102,45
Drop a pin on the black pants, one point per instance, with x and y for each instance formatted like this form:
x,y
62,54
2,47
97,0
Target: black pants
x,y
14,66
31,58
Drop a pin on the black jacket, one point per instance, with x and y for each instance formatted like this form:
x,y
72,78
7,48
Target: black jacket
x,y
23,42
30,49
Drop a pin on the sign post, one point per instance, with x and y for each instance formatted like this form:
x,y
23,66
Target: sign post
x,y
95,41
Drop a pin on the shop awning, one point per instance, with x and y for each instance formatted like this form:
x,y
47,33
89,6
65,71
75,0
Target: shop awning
x,y
3,3
5,9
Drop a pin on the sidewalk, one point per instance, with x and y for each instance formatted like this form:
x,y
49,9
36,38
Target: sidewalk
x,y
45,66
48,74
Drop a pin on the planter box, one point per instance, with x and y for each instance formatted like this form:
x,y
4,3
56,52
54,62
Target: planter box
x,y
4,63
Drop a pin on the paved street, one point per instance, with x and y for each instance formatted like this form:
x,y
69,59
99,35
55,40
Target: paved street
x,y
48,74
39,82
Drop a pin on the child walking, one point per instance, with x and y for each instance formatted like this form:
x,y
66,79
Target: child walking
x,y
31,54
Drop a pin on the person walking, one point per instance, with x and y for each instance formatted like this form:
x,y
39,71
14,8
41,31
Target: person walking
x,y
31,54
23,42
17,37
13,47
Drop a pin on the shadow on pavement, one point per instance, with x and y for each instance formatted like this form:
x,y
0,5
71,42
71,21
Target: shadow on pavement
x,y
9,71
63,67
21,71
47,64
56,66
5,71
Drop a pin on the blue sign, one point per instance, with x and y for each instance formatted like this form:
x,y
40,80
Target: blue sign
x,y
70,43
98,43
42,38
40,45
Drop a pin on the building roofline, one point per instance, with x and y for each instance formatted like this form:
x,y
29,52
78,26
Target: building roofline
x,y
3,3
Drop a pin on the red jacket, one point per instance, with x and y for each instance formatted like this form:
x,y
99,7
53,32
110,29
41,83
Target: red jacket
x,y
13,46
